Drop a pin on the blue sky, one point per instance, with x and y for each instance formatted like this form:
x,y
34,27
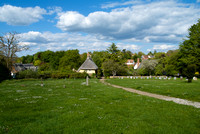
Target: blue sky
x,y
135,25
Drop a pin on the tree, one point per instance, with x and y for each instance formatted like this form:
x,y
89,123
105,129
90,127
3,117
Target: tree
x,y
190,49
9,46
4,71
149,65
190,72
110,66
71,60
113,49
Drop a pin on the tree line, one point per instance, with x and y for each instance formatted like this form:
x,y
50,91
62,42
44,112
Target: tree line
x,y
184,61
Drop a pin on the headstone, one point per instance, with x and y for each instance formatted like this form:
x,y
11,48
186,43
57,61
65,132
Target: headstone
x,y
87,83
131,77
156,77
160,78
181,77
147,77
174,78
127,76
141,77
42,84
136,77
122,77
194,78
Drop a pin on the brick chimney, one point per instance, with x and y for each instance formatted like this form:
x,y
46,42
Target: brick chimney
x,y
88,55
138,61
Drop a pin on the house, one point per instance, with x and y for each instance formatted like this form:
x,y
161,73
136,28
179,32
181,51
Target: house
x,y
146,57
130,62
137,64
88,66
17,67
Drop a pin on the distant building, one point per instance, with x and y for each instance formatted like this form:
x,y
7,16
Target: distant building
x,y
130,62
137,64
17,67
88,66
146,57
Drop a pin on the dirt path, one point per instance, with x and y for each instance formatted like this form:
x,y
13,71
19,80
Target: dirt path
x,y
161,97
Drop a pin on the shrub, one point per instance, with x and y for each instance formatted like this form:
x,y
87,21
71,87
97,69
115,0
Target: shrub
x,y
27,74
190,72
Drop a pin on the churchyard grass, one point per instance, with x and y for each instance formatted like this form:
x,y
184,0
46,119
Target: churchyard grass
x,y
175,88
28,108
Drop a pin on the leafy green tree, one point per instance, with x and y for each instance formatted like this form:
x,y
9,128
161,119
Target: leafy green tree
x,y
55,59
113,49
71,60
126,54
149,66
150,53
37,63
159,55
190,49
110,67
190,71
83,57
27,59
46,56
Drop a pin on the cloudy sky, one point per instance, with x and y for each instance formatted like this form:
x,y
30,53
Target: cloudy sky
x,y
92,25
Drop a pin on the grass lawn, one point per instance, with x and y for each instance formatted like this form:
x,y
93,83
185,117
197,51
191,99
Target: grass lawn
x,y
28,108
175,88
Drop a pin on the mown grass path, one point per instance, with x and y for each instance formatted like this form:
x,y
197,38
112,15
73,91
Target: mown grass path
x,y
161,97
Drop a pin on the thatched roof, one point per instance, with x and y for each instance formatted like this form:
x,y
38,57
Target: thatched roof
x,y
88,65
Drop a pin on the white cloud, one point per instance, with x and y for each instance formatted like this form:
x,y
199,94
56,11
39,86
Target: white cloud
x,y
130,47
62,41
13,15
164,47
166,21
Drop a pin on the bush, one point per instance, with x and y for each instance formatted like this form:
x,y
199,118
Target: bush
x,y
27,74
190,72
4,71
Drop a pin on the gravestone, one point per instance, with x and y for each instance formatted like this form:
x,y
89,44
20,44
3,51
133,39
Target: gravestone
x,y
131,77
87,82
174,78
181,77
194,78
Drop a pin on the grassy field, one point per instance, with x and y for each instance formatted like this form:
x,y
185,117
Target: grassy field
x,y
176,88
28,108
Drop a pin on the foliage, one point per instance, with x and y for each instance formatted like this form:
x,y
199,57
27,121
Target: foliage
x,y
4,71
113,49
190,49
110,67
190,72
27,74
9,46
71,60
37,63
149,66
27,59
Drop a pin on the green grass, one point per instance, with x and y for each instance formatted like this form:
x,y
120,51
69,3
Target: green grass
x,y
175,88
28,108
